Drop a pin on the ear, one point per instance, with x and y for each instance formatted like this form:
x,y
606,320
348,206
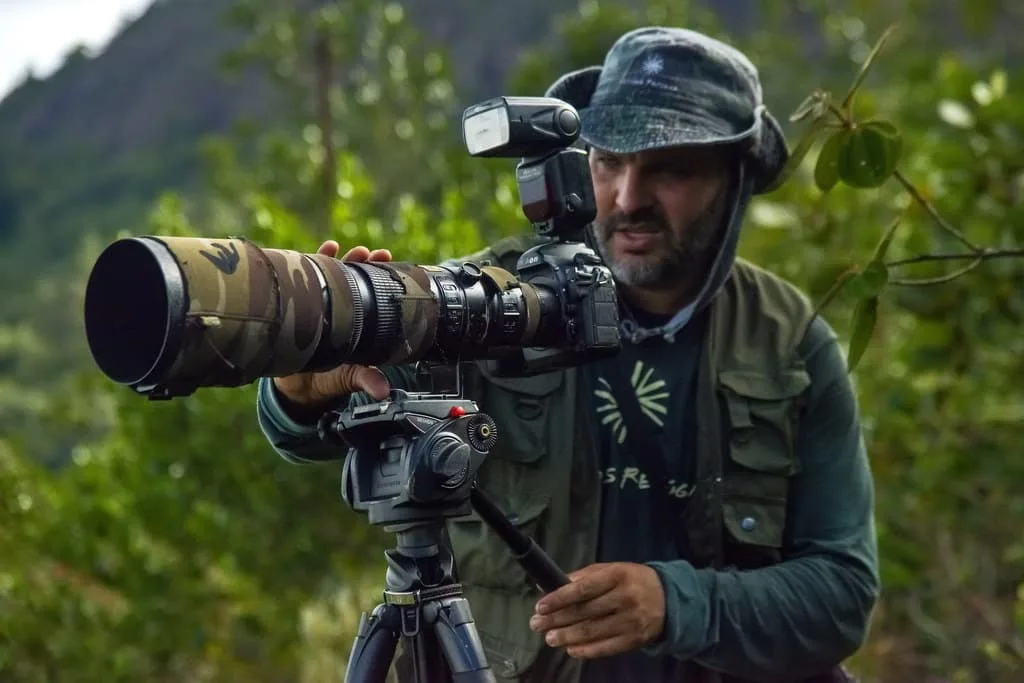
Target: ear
x,y
768,154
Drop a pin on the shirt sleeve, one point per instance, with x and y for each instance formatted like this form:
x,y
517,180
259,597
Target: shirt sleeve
x,y
299,441
809,612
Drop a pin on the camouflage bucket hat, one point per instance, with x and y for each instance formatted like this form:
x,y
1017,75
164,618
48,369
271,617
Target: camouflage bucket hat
x,y
667,87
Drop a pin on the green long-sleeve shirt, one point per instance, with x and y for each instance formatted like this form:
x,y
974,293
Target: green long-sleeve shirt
x,y
779,623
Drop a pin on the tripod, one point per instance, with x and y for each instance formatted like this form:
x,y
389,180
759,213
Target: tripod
x,y
423,605
411,465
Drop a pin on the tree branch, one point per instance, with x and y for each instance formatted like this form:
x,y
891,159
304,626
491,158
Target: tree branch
x,y
948,277
931,211
977,257
981,254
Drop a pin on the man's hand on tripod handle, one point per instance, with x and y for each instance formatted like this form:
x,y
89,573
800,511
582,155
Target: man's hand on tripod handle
x,y
606,609
307,392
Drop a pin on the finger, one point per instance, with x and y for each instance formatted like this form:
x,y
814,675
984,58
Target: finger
x,y
380,255
329,248
604,648
373,382
580,589
356,254
601,606
590,631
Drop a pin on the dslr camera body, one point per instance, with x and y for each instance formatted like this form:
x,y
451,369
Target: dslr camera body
x,y
557,196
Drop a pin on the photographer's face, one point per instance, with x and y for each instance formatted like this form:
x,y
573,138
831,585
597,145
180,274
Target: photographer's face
x,y
659,214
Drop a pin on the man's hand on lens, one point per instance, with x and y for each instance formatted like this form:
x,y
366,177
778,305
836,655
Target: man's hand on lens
x,y
311,389
605,609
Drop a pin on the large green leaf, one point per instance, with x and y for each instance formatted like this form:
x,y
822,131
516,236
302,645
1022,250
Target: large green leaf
x,y
826,169
865,316
870,281
869,154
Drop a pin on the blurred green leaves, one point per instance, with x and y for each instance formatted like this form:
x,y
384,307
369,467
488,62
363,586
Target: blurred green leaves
x,y
864,155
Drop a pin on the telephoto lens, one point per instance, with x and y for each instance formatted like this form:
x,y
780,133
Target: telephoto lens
x,y
189,312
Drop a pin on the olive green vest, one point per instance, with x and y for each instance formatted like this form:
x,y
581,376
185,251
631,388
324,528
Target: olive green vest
x,y
543,471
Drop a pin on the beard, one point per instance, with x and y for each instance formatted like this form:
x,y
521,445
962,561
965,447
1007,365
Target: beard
x,y
687,253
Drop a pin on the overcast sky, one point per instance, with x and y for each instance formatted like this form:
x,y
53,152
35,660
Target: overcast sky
x,y
38,33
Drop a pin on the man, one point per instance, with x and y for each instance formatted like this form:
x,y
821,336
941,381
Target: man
x,y
708,488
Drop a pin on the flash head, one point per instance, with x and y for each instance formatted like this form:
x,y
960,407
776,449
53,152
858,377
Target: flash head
x,y
509,127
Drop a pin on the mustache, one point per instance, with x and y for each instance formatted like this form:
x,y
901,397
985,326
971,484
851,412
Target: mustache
x,y
644,218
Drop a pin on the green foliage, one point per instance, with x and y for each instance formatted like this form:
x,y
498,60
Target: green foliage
x,y
941,408
162,552
343,70
865,155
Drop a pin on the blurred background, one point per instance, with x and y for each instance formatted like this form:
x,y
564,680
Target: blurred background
x,y
167,542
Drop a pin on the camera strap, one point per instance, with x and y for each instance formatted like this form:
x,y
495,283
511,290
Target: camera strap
x,y
650,456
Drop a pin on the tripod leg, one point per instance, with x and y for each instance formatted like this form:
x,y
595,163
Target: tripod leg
x,y
374,646
460,643
421,660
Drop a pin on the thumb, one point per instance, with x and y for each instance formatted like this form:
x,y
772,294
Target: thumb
x,y
373,382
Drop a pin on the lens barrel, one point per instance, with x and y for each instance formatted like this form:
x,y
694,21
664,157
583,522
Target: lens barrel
x,y
189,312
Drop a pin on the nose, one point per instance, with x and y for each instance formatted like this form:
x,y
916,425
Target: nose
x,y
631,192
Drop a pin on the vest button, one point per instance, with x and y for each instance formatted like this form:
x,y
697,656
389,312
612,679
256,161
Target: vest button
x,y
748,523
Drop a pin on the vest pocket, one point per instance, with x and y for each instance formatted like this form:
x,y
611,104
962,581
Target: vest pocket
x,y
483,558
754,508
521,408
761,413
503,623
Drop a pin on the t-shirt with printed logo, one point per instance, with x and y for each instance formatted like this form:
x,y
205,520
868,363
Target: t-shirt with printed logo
x,y
662,379
661,375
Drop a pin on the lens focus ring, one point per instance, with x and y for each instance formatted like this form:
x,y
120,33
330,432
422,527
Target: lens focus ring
x,y
387,294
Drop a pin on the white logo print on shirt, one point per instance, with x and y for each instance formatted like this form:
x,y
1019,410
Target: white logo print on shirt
x,y
650,393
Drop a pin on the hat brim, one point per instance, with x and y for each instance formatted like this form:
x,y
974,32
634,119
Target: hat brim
x,y
631,128
575,87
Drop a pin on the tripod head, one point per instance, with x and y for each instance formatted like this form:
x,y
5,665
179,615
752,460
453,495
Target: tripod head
x,y
412,462
413,456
